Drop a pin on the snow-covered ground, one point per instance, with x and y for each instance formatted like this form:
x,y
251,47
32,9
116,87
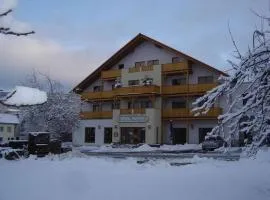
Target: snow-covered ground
x,y
86,178
143,148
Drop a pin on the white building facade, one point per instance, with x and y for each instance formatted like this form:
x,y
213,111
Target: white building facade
x,y
151,104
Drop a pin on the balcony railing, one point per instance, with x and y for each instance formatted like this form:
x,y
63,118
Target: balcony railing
x,y
96,115
172,68
98,95
187,89
186,113
111,74
137,90
132,111
141,69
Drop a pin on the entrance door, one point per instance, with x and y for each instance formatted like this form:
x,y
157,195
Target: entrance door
x,y
108,135
202,133
132,135
179,135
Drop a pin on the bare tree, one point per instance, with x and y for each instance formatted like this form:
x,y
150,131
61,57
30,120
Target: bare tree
x,y
7,31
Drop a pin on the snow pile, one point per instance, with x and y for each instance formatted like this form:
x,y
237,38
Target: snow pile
x,y
142,148
100,178
23,96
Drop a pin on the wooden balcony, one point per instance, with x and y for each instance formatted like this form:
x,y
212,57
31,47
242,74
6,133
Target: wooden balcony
x,y
96,115
105,95
111,74
132,111
174,68
189,89
141,69
185,113
137,90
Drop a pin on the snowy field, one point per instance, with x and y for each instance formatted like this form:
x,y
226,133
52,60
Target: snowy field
x,y
84,178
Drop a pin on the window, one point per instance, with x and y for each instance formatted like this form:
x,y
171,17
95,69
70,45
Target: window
x,y
129,105
140,64
133,82
89,135
107,135
9,129
176,59
1,139
146,104
121,66
116,105
179,81
205,79
1,129
179,104
152,62
96,107
202,133
97,88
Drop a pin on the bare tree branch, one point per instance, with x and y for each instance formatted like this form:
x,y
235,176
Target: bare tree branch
x,y
234,43
6,13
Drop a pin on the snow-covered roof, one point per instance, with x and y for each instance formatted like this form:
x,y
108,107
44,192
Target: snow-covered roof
x,y
22,96
8,119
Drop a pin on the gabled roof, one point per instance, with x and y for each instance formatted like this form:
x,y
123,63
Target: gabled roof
x,y
125,50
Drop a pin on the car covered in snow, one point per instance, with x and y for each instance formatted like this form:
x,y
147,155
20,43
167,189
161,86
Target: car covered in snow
x,y
213,142
13,154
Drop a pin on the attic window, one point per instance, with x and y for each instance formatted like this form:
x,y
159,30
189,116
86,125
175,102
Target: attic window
x,y
152,62
176,59
97,88
140,64
121,66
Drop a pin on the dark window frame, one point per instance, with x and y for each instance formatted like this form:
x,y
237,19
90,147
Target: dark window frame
x,y
179,81
152,62
179,104
107,138
134,82
97,88
205,79
140,64
89,135
121,66
176,59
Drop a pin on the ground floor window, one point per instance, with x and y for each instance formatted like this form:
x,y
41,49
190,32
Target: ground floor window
x,y
132,135
202,133
179,135
107,135
89,135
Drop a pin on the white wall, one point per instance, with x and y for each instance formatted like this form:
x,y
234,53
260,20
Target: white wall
x,y
78,136
144,52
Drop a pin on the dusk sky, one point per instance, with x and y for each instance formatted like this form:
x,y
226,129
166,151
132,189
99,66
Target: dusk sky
x,y
74,37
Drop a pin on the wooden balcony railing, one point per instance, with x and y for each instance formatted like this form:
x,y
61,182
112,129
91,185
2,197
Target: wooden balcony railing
x,y
111,74
141,69
186,113
98,95
172,68
137,90
96,115
189,89
132,111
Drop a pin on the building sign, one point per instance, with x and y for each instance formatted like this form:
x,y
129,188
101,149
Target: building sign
x,y
132,119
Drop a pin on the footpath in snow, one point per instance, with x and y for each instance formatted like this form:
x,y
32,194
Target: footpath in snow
x,y
84,178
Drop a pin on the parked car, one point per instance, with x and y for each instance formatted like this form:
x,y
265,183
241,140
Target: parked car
x,y
213,142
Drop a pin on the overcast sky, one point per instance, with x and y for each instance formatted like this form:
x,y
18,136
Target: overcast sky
x,y
74,37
